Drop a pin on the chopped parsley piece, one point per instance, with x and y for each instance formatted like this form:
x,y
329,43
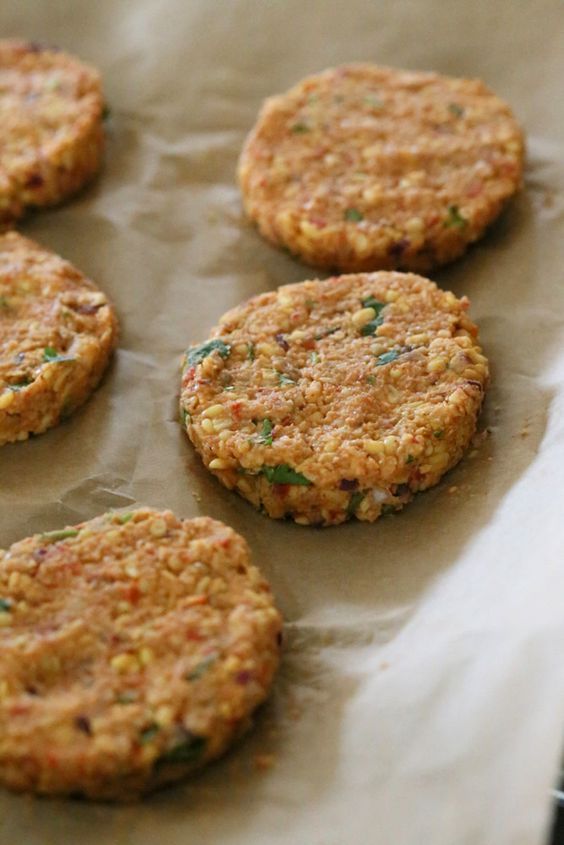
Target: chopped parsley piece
x,y
455,218
284,379
251,351
314,358
201,668
353,215
439,434
354,501
310,303
123,518
50,355
455,109
198,353
19,385
5,605
409,459
4,302
299,128
54,536
371,379
387,357
265,435
387,508
148,734
372,302
284,474
188,751
370,328
184,416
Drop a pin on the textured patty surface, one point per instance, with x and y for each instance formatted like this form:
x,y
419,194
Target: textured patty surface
x,y
57,332
133,649
51,136
328,399
369,168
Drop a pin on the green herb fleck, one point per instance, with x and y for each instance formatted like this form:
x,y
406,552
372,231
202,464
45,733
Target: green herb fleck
x,y
455,109
299,128
148,733
229,387
123,518
439,434
455,218
387,508
387,357
353,215
197,354
371,379
201,668
19,385
314,358
5,605
265,435
310,303
409,459
185,752
184,416
354,501
284,379
4,302
370,328
284,474
251,351
54,536
51,355
372,302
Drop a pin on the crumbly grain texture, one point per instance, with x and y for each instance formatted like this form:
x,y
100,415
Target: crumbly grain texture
x,y
57,332
51,137
369,168
133,649
336,398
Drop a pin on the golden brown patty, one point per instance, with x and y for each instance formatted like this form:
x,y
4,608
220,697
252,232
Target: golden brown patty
x,y
57,332
51,136
370,168
133,649
329,399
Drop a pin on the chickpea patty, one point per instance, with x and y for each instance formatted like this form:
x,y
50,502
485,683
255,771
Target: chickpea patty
x,y
336,398
57,332
369,168
51,137
133,649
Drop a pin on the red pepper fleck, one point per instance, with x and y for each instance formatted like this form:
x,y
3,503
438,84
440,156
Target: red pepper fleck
x,y
133,593
281,490
243,677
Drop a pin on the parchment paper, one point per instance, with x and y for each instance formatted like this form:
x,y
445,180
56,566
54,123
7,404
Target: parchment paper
x,y
421,698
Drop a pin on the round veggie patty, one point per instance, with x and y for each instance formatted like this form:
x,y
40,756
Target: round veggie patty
x,y
336,398
133,649
370,168
57,332
51,137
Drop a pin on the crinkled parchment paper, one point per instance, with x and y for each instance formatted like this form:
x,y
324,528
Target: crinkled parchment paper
x,y
421,698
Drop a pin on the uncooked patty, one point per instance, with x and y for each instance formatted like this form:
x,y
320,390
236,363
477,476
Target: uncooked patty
x,y
336,398
133,649
370,168
57,332
51,137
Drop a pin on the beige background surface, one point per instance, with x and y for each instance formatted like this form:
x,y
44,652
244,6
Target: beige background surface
x,y
421,698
